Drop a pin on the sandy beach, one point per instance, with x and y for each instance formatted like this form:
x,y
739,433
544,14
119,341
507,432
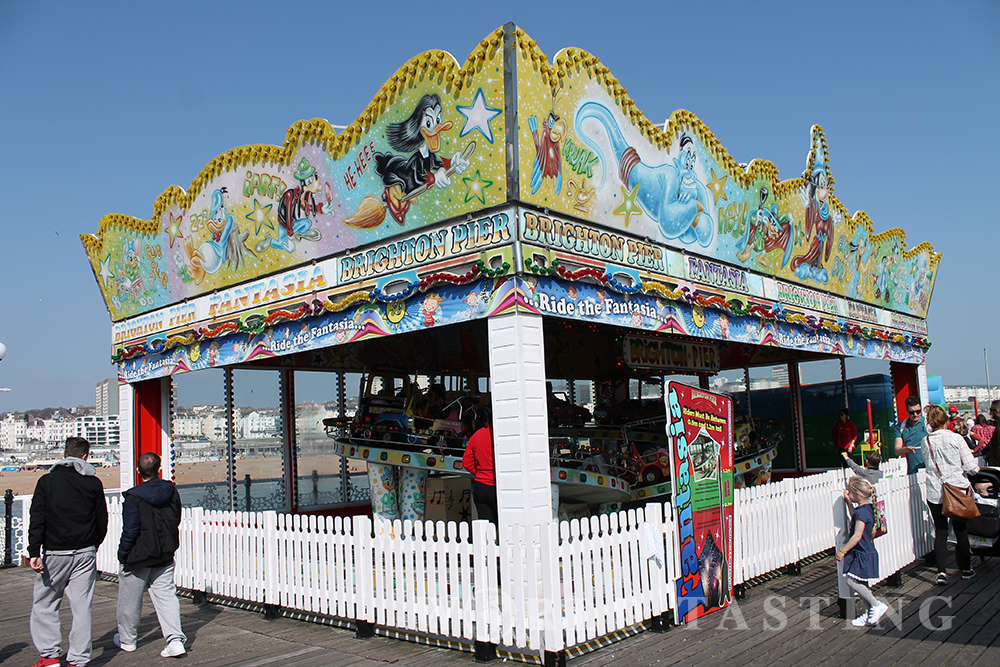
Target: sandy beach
x,y
23,482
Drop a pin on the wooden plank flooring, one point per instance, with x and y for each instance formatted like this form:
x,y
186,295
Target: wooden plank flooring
x,y
790,620
778,628
217,636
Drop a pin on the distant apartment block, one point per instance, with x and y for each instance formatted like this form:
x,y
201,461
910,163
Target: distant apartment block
x,y
20,433
106,398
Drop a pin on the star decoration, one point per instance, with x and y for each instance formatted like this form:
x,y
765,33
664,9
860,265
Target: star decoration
x,y
261,217
105,271
478,117
629,205
718,186
173,228
476,188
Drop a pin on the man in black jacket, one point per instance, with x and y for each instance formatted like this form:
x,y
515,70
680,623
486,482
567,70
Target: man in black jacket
x,y
69,518
151,515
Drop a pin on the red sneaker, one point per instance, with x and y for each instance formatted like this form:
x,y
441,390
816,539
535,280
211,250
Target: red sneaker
x,y
45,662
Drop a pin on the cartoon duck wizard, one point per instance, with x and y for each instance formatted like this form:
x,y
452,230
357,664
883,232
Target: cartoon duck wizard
x,y
421,132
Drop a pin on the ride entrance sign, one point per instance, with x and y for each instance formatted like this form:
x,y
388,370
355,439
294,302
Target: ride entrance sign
x,y
699,430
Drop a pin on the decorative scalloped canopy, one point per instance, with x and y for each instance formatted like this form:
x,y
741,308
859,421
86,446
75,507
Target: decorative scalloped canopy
x,y
431,147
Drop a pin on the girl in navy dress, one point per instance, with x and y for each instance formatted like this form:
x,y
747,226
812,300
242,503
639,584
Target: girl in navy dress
x,y
859,555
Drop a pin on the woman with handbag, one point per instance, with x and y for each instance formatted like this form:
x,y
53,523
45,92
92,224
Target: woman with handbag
x,y
949,494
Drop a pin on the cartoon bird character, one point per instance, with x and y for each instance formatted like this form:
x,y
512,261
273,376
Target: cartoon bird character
x,y
766,231
296,210
226,244
406,177
548,160
670,194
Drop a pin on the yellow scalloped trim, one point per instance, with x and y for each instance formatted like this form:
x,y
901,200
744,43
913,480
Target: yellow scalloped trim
x,y
437,64
571,60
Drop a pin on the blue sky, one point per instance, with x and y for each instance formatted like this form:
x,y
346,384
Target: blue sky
x,y
103,105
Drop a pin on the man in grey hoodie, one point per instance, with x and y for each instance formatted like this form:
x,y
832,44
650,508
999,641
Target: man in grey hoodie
x,y
69,518
151,516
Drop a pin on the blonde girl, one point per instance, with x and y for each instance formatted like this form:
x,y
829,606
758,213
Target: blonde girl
x,y
859,556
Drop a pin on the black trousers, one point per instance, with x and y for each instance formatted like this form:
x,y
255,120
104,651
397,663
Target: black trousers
x,y
963,557
485,498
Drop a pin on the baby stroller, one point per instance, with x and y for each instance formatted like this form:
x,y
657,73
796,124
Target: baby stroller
x,y
984,530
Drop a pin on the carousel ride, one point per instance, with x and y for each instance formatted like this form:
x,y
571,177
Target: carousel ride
x,y
618,454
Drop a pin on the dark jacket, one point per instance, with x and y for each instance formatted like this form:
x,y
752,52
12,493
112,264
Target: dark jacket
x,y
165,502
68,512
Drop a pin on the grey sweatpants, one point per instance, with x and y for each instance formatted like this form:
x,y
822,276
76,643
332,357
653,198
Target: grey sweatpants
x,y
73,574
163,593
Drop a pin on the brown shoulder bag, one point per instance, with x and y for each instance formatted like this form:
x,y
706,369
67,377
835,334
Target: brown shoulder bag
x,y
957,502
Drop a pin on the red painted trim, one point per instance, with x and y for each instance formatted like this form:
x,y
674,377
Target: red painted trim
x,y
148,419
904,384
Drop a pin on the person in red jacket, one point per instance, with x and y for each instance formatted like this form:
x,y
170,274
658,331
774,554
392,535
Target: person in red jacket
x,y
953,419
478,460
845,433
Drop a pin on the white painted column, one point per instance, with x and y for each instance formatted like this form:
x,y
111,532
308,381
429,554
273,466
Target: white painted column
x,y
520,419
126,436
925,395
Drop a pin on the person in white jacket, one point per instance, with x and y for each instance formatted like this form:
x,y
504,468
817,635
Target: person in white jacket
x,y
949,460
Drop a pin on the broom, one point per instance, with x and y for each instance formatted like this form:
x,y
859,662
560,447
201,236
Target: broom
x,y
371,210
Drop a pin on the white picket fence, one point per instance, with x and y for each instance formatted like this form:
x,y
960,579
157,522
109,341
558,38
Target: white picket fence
x,y
784,522
545,589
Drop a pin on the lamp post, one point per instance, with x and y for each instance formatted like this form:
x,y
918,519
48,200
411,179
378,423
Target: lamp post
x,y
986,361
3,353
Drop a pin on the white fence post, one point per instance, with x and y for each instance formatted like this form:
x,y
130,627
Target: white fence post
x,y
487,583
551,607
196,549
364,560
271,590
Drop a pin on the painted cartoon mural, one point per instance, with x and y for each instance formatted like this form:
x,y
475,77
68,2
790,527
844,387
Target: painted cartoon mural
x,y
263,227
675,184
427,149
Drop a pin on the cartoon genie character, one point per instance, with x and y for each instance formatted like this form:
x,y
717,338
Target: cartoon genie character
x,y
420,134
297,209
670,194
223,246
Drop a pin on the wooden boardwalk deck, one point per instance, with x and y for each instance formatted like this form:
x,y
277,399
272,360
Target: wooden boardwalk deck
x,y
774,626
